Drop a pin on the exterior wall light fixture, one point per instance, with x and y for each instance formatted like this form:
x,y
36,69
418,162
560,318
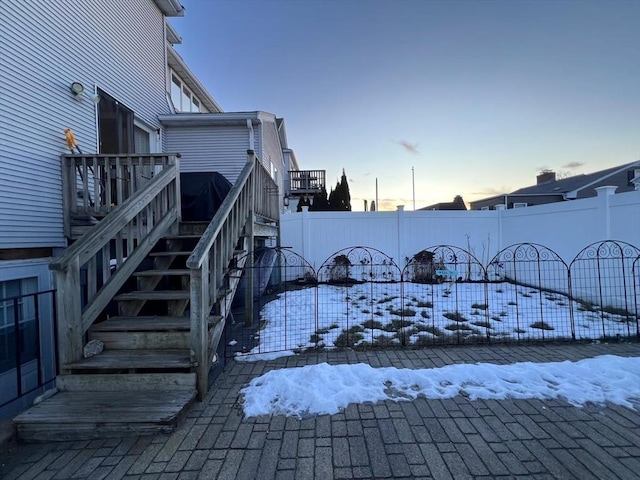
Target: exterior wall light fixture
x,y
78,90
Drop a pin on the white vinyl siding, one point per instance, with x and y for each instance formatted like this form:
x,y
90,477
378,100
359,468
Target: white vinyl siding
x,y
116,45
271,154
221,149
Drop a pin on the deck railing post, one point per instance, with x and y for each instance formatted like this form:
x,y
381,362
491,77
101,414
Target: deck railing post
x,y
200,311
69,314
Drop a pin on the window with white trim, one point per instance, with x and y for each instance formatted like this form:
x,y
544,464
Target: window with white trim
x,y
520,204
184,100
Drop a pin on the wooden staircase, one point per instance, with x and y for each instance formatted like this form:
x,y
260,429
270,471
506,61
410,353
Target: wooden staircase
x,y
142,381
160,313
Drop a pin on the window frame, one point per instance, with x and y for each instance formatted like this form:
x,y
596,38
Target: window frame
x,y
187,97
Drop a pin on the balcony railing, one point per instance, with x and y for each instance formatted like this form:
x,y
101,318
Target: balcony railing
x,y
306,181
27,346
93,185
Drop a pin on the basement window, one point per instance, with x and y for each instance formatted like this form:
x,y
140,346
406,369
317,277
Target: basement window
x,y
15,306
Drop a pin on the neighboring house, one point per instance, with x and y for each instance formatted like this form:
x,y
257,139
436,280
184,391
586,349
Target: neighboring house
x,y
548,190
109,72
457,204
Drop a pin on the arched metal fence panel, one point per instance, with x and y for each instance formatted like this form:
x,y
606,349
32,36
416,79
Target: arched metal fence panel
x,y
358,297
285,304
604,286
444,297
528,294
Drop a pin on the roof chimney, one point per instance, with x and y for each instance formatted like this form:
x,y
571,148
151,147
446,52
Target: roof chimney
x,y
546,176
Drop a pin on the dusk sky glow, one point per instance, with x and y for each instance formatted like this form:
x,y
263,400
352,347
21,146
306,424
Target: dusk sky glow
x,y
477,96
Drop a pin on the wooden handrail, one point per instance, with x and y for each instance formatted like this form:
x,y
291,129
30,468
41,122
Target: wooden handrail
x,y
253,194
93,240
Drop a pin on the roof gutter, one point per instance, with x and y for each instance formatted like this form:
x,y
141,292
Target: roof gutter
x,y
170,8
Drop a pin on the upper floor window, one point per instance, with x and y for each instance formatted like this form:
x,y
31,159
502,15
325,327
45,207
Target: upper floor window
x,y
183,99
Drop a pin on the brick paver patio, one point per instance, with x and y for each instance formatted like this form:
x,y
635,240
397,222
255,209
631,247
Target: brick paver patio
x,y
456,438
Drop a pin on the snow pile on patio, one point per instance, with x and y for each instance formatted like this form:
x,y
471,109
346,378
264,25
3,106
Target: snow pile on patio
x,y
326,389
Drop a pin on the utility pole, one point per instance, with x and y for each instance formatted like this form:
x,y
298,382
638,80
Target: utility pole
x,y
413,184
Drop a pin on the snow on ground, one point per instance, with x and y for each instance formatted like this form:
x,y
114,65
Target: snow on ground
x,y
376,314
325,389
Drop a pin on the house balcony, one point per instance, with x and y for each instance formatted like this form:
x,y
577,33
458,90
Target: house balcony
x,y
306,182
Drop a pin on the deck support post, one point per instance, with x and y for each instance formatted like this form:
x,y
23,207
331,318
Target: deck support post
x,y
199,294
69,312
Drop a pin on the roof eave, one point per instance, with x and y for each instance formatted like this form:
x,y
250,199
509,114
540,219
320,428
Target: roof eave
x,y
170,8
208,119
172,35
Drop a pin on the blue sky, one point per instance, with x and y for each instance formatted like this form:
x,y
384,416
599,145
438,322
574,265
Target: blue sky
x,y
477,96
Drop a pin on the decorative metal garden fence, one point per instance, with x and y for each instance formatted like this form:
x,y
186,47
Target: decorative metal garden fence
x,y
358,291
285,305
528,294
360,298
443,288
604,282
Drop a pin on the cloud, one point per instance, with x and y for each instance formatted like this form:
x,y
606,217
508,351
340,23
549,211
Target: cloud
x,y
409,147
492,191
573,165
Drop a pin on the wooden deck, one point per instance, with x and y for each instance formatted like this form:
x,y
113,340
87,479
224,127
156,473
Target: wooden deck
x,y
88,415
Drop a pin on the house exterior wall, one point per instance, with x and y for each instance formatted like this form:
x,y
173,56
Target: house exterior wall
x,y
117,46
210,147
271,154
221,149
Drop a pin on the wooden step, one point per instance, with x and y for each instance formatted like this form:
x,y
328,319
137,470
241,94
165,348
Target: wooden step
x,y
193,228
147,324
162,273
70,416
154,295
134,360
133,381
183,236
128,340
170,254
142,324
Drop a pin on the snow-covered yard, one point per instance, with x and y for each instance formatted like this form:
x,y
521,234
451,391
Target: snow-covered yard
x,y
382,314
